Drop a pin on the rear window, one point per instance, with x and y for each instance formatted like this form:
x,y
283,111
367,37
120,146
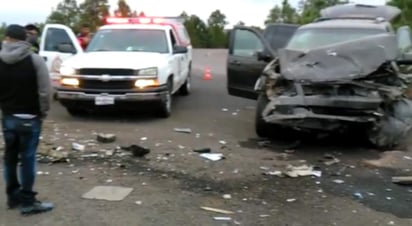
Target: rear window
x,y
305,39
279,35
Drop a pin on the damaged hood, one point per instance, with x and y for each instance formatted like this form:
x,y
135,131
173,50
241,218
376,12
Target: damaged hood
x,y
339,62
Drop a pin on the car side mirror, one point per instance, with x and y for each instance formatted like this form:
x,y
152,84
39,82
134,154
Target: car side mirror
x,y
180,49
66,48
263,56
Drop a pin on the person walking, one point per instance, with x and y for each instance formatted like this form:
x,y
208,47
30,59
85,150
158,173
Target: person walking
x,y
24,102
33,33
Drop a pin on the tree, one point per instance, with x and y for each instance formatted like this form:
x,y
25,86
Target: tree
x,y
217,19
283,14
406,16
67,13
93,12
310,9
123,9
217,35
240,23
197,30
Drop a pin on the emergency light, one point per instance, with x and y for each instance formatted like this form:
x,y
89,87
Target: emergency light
x,y
134,20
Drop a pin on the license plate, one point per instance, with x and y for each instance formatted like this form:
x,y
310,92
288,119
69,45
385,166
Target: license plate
x,y
104,100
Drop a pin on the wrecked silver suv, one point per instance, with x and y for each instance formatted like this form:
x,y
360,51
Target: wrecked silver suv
x,y
338,74
332,83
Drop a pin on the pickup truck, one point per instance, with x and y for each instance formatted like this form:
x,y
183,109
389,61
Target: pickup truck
x,y
128,60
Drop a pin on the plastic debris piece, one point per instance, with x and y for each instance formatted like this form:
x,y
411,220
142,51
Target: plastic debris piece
x,y
290,200
222,218
217,210
143,138
183,130
227,196
106,138
139,203
406,180
212,156
109,193
78,147
338,181
358,195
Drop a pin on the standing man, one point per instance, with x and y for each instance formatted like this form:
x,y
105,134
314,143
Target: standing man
x,y
85,36
33,33
24,102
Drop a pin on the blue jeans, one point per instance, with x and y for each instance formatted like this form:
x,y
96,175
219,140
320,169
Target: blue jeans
x,y
21,137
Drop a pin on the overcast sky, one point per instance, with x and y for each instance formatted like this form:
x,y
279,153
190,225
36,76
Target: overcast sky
x,y
252,12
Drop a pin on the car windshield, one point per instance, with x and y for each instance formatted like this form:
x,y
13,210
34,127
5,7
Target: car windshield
x,y
129,40
306,39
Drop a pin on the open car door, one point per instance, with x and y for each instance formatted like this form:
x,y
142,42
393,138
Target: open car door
x,y
249,53
58,42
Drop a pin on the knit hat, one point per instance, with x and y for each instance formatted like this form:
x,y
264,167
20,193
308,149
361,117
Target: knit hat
x,y
16,32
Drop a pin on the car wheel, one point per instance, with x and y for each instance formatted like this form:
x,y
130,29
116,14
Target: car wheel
x,y
187,86
261,126
166,103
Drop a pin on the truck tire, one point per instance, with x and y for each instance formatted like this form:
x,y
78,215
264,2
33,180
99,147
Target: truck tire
x,y
262,128
165,109
186,87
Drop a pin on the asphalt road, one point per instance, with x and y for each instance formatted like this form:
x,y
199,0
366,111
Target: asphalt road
x,y
172,182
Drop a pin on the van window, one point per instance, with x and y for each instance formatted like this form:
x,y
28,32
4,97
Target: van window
x,y
246,43
55,37
279,35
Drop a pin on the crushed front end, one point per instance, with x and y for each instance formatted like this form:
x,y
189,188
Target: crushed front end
x,y
336,88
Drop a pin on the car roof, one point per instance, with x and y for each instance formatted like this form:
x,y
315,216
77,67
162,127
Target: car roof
x,y
346,23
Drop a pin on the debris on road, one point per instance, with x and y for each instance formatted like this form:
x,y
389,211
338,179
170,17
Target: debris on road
x,y
53,155
203,150
216,210
106,138
227,196
212,156
330,160
225,109
290,200
139,203
222,218
405,180
93,155
78,147
293,171
338,181
137,151
143,138
304,170
183,130
108,193
358,195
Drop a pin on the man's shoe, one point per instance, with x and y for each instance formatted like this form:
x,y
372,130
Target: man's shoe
x,y
37,207
14,200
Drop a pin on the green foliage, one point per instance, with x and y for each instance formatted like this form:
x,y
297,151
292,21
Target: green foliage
x,y
93,12
123,9
67,12
204,34
406,16
283,14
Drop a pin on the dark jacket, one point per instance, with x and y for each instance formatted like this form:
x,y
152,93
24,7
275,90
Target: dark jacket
x,y
24,81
